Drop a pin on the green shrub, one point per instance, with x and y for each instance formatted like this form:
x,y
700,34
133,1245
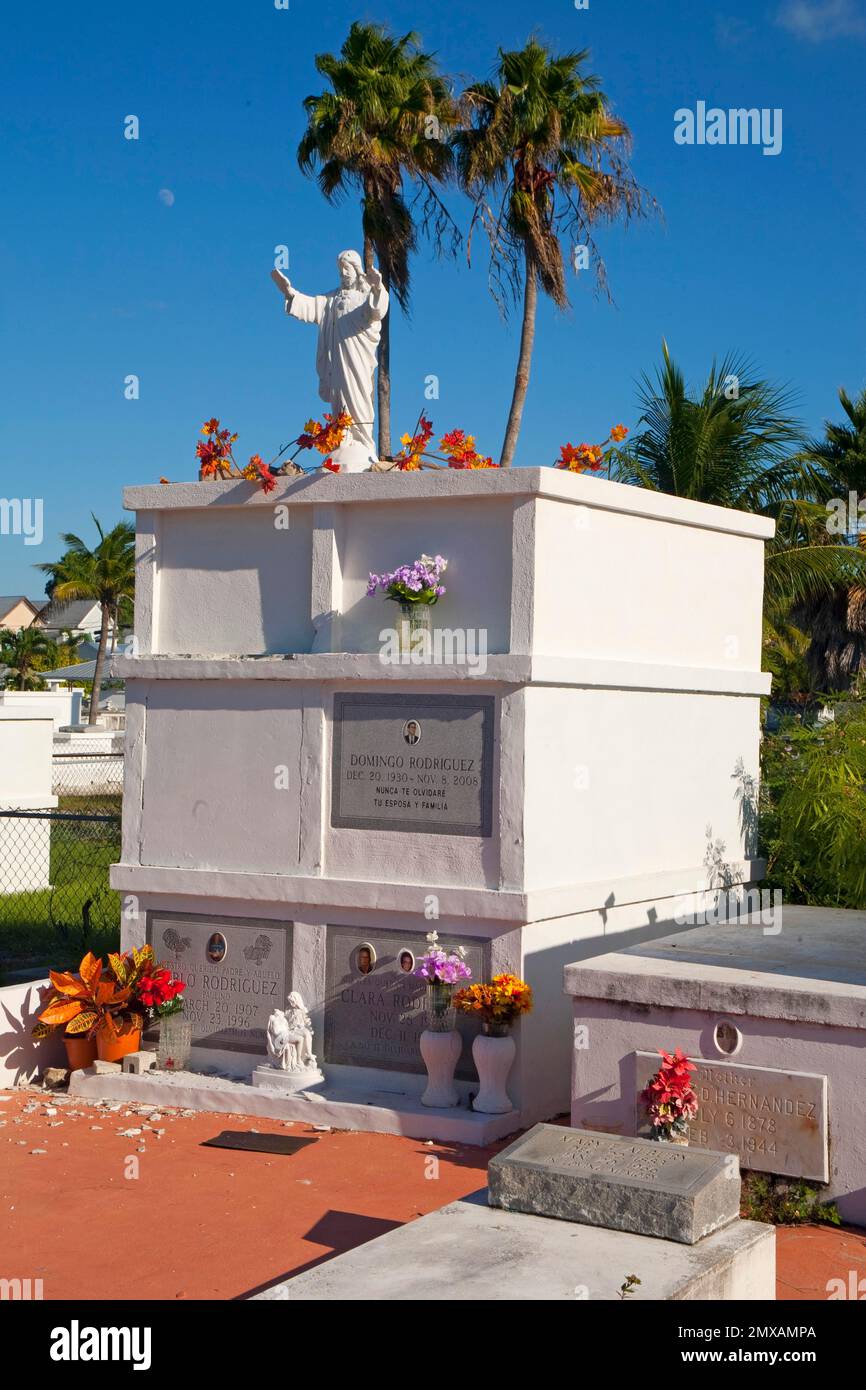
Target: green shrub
x,y
813,811
784,1202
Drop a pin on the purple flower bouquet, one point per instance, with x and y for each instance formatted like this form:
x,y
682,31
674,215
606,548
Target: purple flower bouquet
x,y
420,582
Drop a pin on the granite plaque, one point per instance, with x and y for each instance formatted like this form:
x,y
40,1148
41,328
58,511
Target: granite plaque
x,y
413,762
236,972
775,1120
635,1185
375,1005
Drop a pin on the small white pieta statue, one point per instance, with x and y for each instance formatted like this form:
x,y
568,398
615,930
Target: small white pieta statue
x,y
349,320
291,1064
290,1037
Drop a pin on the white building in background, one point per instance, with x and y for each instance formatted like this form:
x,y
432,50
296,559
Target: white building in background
x,y
63,705
81,617
26,750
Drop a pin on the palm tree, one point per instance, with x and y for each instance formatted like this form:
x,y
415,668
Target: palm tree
x,y
23,653
736,444
732,444
105,574
387,115
836,620
541,156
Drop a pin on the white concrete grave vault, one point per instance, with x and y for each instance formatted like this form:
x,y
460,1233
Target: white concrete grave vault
x,y
615,718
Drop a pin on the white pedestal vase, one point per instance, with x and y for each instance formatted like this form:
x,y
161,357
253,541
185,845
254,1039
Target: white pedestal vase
x,y
493,1056
440,1045
440,1052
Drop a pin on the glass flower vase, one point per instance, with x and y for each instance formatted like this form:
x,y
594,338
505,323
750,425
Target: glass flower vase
x,y
440,1007
175,1042
414,628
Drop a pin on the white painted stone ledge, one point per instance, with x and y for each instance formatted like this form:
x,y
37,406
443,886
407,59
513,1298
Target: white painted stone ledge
x,y
491,904
326,489
669,984
513,670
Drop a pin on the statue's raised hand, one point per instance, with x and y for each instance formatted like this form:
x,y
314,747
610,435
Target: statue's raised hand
x,y
283,284
374,278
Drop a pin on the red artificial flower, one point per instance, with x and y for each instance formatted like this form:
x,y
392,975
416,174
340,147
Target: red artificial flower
x,y
266,477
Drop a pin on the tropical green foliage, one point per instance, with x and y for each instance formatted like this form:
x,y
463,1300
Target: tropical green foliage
x,y
813,810
841,454
542,157
785,1201
836,617
106,574
385,119
25,653
731,443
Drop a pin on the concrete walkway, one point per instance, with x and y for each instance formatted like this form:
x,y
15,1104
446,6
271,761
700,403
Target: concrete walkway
x,y
184,1221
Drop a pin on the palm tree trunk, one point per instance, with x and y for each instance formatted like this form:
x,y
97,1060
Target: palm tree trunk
x,y
383,375
524,362
383,382
100,664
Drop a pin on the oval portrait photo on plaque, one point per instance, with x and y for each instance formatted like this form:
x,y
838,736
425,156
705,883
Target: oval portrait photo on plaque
x,y
365,958
217,947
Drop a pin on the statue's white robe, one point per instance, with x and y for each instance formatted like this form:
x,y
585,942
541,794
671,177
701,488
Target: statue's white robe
x,y
350,325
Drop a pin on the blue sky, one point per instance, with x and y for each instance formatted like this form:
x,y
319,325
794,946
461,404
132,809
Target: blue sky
x,y
105,274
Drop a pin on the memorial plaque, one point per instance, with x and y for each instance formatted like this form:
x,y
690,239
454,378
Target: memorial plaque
x,y
375,1005
236,972
775,1120
635,1185
413,762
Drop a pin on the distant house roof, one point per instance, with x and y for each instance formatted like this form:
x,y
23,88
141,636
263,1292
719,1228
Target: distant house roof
x,y
72,614
81,671
10,601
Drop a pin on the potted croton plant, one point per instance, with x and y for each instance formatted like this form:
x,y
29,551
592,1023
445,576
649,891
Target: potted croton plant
x,y
670,1099
96,1008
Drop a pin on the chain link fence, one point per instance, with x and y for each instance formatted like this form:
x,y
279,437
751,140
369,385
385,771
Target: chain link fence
x,y
54,862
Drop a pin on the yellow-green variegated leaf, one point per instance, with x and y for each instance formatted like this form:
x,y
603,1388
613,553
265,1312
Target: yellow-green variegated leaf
x,y
41,1030
83,1023
142,957
117,966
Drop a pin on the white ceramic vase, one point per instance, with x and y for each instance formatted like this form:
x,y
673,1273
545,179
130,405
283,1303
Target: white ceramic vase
x,y
440,1051
493,1057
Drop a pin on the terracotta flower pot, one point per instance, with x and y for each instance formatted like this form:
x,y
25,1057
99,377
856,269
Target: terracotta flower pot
x,y
80,1052
110,1049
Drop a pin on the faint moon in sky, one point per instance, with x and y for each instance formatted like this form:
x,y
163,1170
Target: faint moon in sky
x,y
167,197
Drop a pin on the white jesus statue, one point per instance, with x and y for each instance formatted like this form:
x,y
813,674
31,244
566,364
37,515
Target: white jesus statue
x,y
350,324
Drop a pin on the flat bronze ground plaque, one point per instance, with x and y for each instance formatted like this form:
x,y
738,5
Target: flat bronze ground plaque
x,y
256,1143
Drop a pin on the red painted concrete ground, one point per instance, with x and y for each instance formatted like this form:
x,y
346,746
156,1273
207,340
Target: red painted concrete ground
x,y
203,1223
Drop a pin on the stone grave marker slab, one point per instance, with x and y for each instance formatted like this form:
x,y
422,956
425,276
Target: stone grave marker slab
x,y
375,1004
636,1185
775,1120
236,971
422,763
